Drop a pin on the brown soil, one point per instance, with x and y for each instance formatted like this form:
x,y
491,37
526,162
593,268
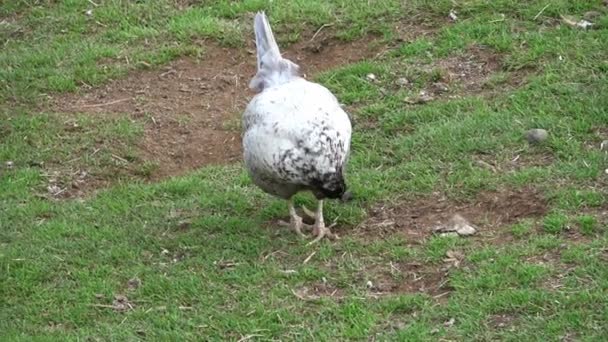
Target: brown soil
x,y
471,69
414,277
501,321
464,74
318,290
188,106
489,212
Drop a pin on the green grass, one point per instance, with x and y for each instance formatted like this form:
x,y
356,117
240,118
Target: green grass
x,y
210,263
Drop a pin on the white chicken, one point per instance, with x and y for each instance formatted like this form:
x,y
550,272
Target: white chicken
x,y
296,135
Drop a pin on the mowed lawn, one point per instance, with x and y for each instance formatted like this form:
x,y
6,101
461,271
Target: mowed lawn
x,y
126,214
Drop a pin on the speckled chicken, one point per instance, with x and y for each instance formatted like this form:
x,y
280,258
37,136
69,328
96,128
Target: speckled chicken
x,y
296,135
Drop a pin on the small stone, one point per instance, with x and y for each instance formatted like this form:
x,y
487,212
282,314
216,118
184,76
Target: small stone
x,y
371,77
89,12
536,135
584,24
604,146
402,82
456,226
452,15
440,87
449,323
423,97
462,226
54,190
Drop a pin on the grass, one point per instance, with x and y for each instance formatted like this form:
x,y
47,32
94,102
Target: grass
x,y
196,256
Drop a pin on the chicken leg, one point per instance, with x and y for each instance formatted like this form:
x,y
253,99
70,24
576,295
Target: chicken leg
x,y
295,221
318,229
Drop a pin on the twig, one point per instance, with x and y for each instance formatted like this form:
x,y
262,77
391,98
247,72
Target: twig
x,y
56,194
93,3
319,31
106,103
441,295
272,254
120,158
249,337
541,11
171,71
309,257
73,160
304,298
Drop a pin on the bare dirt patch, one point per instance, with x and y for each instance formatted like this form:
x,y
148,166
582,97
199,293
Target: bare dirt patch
x,y
190,105
386,279
413,277
468,73
489,212
415,221
472,68
318,290
501,321
517,161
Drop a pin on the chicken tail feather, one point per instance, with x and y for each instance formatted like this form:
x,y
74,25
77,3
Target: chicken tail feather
x,y
272,68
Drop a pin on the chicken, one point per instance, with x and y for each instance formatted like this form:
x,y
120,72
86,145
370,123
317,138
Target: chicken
x,y
296,135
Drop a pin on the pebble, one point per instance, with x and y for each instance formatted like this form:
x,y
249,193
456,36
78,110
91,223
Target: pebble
x,y
440,87
462,226
457,226
536,135
402,81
